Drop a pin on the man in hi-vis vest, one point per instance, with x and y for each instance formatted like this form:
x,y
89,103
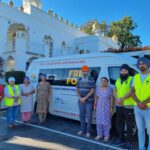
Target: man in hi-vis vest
x,y
12,101
141,95
124,107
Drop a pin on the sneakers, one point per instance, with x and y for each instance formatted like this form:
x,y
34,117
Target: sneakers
x,y
88,135
80,133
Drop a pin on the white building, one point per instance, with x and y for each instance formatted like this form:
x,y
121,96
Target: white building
x,y
28,33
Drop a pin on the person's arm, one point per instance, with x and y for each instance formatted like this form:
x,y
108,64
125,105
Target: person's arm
x,y
77,91
146,101
89,94
95,101
121,100
50,92
111,103
115,93
141,105
6,93
19,92
133,95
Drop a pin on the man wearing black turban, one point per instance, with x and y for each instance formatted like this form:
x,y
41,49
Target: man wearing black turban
x,y
124,107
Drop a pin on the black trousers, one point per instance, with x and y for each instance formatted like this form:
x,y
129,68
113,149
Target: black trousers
x,y
126,117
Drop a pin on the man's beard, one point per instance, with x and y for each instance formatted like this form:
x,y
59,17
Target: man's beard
x,y
143,69
124,77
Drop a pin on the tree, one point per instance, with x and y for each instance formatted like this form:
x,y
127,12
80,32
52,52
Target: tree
x,y
123,30
88,27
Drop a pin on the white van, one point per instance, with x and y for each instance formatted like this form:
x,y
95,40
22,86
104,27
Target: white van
x,y
63,72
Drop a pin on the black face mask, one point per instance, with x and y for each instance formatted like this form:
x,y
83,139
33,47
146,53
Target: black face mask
x,y
124,77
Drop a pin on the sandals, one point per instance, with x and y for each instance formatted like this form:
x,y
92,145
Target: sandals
x,y
106,139
80,133
98,138
10,126
88,135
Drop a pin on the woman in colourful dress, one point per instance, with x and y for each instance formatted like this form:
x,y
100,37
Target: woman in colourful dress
x,y
103,105
27,91
43,92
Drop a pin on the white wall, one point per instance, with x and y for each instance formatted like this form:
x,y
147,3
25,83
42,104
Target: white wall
x,y
40,24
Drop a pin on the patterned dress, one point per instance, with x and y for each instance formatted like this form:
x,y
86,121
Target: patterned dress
x,y
103,106
42,97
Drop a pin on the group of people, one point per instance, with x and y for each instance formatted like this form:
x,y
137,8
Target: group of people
x,y
130,99
20,97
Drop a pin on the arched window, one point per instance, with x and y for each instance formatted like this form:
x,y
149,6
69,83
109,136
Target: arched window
x,y
49,42
11,35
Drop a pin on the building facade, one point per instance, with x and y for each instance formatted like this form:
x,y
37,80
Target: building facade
x,y
28,33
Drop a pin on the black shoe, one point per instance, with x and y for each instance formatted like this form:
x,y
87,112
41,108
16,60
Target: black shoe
x,y
119,142
128,146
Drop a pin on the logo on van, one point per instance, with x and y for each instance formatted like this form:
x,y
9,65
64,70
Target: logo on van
x,y
73,76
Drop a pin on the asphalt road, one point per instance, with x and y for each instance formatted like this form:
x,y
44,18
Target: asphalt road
x,y
57,134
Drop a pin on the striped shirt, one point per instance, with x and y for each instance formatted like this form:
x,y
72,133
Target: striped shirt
x,y
84,86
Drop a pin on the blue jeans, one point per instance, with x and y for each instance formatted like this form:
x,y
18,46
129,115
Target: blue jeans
x,y
85,110
12,113
143,121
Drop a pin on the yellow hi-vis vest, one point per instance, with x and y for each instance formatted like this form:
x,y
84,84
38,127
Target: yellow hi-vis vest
x,y
10,101
142,90
123,89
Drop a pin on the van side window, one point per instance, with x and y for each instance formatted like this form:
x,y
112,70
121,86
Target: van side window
x,y
114,73
67,77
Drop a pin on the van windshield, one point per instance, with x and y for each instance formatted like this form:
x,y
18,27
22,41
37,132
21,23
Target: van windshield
x,y
67,76
114,73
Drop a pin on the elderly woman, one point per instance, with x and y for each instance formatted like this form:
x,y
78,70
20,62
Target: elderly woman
x,y
27,91
12,101
43,92
103,105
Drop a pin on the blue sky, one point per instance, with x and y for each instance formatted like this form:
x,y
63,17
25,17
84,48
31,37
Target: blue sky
x,y
80,11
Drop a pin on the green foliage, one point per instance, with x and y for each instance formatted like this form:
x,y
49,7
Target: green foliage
x,y
122,29
18,75
88,27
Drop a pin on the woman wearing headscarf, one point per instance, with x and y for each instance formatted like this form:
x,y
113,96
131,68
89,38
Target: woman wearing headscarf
x,y
43,92
12,101
27,91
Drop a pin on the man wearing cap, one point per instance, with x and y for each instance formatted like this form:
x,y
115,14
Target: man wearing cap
x,y
124,106
85,91
141,95
12,101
